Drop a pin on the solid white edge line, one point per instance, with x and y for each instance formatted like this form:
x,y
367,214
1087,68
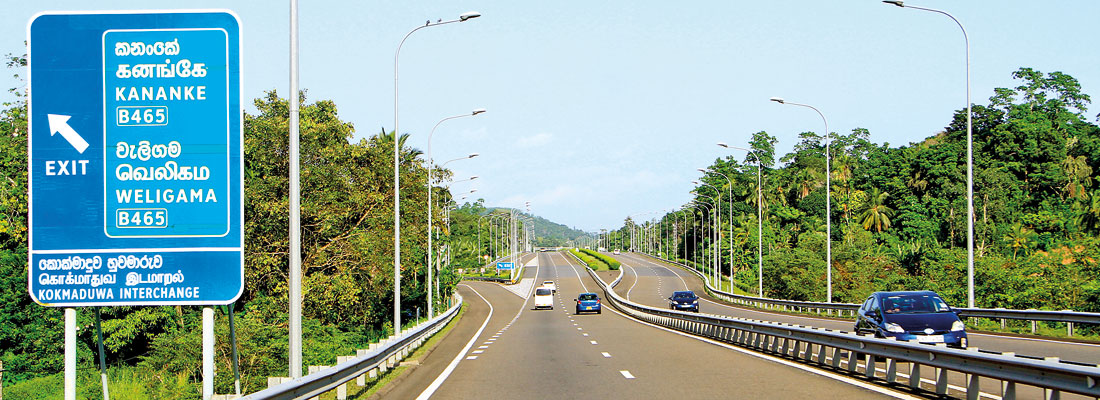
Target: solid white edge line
x,y
809,369
430,390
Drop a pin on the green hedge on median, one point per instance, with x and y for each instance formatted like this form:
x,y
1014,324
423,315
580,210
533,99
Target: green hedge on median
x,y
612,263
592,262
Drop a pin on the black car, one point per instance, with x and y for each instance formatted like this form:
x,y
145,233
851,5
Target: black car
x,y
684,300
917,316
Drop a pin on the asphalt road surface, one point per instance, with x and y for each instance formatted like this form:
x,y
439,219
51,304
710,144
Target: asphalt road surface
x,y
503,349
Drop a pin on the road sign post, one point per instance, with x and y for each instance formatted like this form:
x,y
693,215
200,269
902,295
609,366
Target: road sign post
x,y
135,162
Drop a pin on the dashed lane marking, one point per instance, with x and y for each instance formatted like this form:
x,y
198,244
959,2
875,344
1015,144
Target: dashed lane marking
x,y
592,341
626,374
477,351
471,358
606,355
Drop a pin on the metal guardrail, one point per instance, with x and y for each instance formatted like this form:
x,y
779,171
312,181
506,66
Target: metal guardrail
x,y
386,356
843,350
849,309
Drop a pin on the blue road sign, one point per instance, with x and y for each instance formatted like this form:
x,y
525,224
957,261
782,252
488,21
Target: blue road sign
x,y
505,265
135,158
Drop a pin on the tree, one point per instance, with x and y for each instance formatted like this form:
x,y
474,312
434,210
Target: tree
x,y
876,214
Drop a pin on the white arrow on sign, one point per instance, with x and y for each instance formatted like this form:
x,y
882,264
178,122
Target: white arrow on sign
x,y
60,124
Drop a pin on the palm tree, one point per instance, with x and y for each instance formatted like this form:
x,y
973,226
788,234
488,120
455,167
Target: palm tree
x,y
1019,237
1079,176
876,214
1089,219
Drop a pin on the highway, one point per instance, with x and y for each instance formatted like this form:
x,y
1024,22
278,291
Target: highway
x,y
649,281
657,280
502,349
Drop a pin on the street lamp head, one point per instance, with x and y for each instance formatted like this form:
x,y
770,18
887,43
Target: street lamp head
x,y
473,177
898,3
468,15
777,100
478,111
703,170
695,182
723,144
473,155
473,190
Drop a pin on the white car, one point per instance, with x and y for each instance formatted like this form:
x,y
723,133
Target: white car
x,y
616,252
544,297
550,285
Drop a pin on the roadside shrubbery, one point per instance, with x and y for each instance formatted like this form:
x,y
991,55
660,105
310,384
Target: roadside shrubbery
x,y
591,261
611,263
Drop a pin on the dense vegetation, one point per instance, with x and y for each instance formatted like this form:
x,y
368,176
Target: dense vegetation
x,y
899,213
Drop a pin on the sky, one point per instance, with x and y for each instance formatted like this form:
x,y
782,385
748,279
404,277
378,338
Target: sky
x,y
602,110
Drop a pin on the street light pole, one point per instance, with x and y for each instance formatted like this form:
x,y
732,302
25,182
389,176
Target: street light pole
x,y
397,171
759,219
431,267
730,200
969,159
828,202
718,238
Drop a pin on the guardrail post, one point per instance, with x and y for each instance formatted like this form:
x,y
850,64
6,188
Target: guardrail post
x,y
1008,390
973,387
853,360
342,390
869,364
1069,329
312,369
821,354
914,375
277,380
891,370
941,381
360,380
836,357
1051,394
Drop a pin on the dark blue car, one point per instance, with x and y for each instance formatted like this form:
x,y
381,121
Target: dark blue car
x,y
921,317
684,300
588,302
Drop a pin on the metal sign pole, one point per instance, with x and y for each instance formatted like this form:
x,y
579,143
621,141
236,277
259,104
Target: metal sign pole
x,y
207,352
70,354
236,358
102,361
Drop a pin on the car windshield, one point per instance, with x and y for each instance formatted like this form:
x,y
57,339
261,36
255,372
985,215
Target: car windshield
x,y
683,295
914,304
588,296
542,292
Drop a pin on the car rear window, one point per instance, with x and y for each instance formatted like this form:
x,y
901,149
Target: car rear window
x,y
542,292
588,296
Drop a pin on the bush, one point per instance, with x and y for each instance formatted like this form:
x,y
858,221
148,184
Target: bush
x,y
591,262
611,263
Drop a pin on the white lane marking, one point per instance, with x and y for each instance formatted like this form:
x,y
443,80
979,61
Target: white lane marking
x,y
626,374
593,342
606,355
636,278
477,351
454,363
578,329
788,363
570,262
585,334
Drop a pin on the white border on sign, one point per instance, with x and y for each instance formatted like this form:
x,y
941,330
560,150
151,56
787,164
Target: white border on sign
x,y
30,157
228,122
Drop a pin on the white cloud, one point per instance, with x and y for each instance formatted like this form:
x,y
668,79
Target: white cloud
x,y
534,141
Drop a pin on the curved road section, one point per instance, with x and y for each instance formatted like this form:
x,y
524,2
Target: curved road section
x,y
522,353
